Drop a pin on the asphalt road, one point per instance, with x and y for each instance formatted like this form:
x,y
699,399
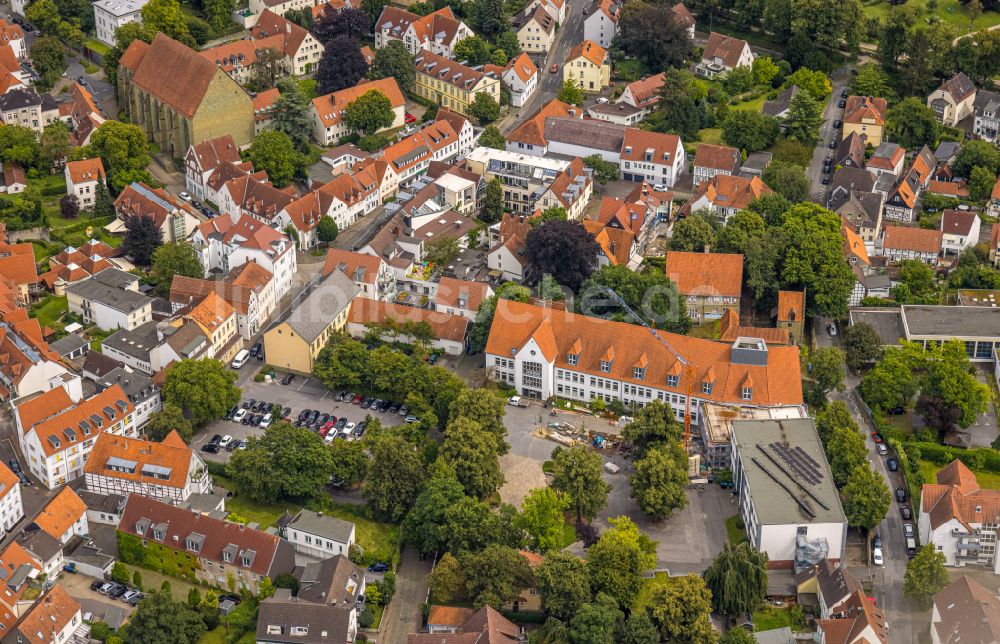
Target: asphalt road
x,y
826,133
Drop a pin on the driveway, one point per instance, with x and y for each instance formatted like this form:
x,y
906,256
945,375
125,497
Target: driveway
x,y
402,615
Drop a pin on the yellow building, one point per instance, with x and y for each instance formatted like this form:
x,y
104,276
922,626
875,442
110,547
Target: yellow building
x,y
294,344
589,66
865,116
451,84
217,320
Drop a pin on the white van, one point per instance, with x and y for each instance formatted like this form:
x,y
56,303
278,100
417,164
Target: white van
x,y
241,358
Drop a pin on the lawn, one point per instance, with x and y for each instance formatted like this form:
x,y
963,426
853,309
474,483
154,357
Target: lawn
x,y
711,135
949,11
50,309
736,533
769,618
568,535
96,45
986,480
308,88
219,636
648,586
708,330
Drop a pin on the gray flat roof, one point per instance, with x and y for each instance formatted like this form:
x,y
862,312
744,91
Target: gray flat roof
x,y
69,344
888,322
113,297
787,472
952,321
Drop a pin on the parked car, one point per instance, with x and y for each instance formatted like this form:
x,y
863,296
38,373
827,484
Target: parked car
x,y
236,599
826,169
97,585
304,414
831,328
15,467
837,124
411,419
225,440
357,399
239,415
247,419
393,408
326,418
825,181
517,401
340,424
380,566
877,541
249,403
117,591
900,494
877,557
843,92
908,530
833,144
882,449
288,379
409,118
135,599
106,586
842,104
231,412
905,513
185,196
286,412
210,448
877,437
359,431
129,595
554,68
892,465
266,421
216,439
313,417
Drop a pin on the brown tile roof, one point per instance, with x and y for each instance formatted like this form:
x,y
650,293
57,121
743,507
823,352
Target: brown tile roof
x,y
638,142
449,615
290,34
250,275
717,157
958,475
85,170
967,613
50,614
560,333
615,243
532,129
957,495
397,21
959,86
258,198
706,273
211,313
449,291
918,240
683,15
133,54
64,426
725,48
186,84
791,306
211,153
948,188
958,222
732,192
171,454
620,214
849,624
349,262
865,108
590,50
331,107
246,231
447,71
456,120
61,513
444,326
485,626
646,91
270,554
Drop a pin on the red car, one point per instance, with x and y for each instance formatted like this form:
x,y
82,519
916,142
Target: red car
x,y
876,437
554,68
409,118
357,399
325,429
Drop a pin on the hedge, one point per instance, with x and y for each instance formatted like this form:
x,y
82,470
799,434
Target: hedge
x,y
984,460
216,469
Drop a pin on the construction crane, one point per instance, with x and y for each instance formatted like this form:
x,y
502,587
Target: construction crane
x,y
688,366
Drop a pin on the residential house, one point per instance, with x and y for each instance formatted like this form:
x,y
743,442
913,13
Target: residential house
x,y
865,115
485,626
223,550
264,104
175,220
570,137
521,77
300,49
524,177
370,273
847,180
589,66
863,211
958,189
142,392
556,8
792,314
225,243
854,621
450,83
831,583
203,158
684,16
82,178
56,434
248,289
630,365
293,344
19,281
956,512
960,230
196,102
528,600
506,253
55,618
965,611
153,346
904,242
710,160
995,244
636,102
529,136
462,125
14,179
571,189
109,15
888,158
318,535
447,619
441,139
902,199
28,109
22,571
778,108
12,76
710,282
448,331
329,111
954,100
168,470
851,152
437,32
12,35
726,195
217,320
11,507
111,300
653,157
615,239
536,30
280,7
62,518
986,109
601,23
460,297
454,187
31,366
81,113
722,54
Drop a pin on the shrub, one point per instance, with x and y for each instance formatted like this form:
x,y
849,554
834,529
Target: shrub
x,y
100,631
366,618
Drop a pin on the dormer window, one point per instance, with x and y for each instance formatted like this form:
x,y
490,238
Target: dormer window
x,y
672,380
606,366
192,545
706,388
639,373
747,393
158,535
573,358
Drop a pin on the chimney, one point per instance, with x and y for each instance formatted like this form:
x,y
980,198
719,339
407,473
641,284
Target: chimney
x,y
708,248
288,27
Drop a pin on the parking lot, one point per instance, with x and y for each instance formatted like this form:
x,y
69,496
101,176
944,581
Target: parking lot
x,y
303,393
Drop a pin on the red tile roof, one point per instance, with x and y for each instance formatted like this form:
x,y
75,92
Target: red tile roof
x,y
716,157
59,515
591,51
706,274
186,84
920,240
444,326
171,454
791,306
865,108
725,48
50,614
85,170
211,153
349,262
449,291
330,108
61,425
532,129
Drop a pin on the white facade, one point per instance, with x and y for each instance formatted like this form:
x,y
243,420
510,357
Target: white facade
x,y
109,15
957,244
85,191
653,170
502,259
520,91
316,545
109,317
600,28
11,507
197,481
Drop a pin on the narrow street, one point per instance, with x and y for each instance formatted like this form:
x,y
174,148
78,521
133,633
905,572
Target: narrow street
x,y
827,132
402,615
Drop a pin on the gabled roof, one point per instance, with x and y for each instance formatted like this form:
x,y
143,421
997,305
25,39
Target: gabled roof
x,y
717,157
59,425
851,151
360,267
59,514
532,129
522,65
245,232
706,274
256,197
683,15
52,613
967,612
85,170
615,243
852,622
590,51
211,312
958,222
646,91
190,73
166,463
291,35
444,326
485,626
959,87
725,48
458,293
640,145
791,306
862,109
886,156
726,191
440,25
324,303
918,240
453,73
211,153
330,108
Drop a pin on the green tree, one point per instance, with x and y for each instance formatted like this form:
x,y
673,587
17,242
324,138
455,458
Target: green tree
x,y
740,232
871,80
542,518
495,575
481,406
484,317
285,463
738,636
291,113
120,573
816,83
424,525
570,93
396,477
204,389
749,130
649,293
653,34
394,61
178,258
54,142
833,416
473,49
493,138
692,234
49,59
949,377
576,472
912,123
484,108
812,259
604,171
124,150
326,229
599,622
563,584
489,17
473,451
764,71
737,579
889,384
470,526
142,238
617,561
805,115
275,153
925,576
492,210
976,154
166,16
170,418
219,13
790,181
681,611
828,369
653,426
846,451
370,112
659,481
341,66
350,462
981,182
866,498
160,619
104,205
862,345
19,145
447,580
562,249
342,362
